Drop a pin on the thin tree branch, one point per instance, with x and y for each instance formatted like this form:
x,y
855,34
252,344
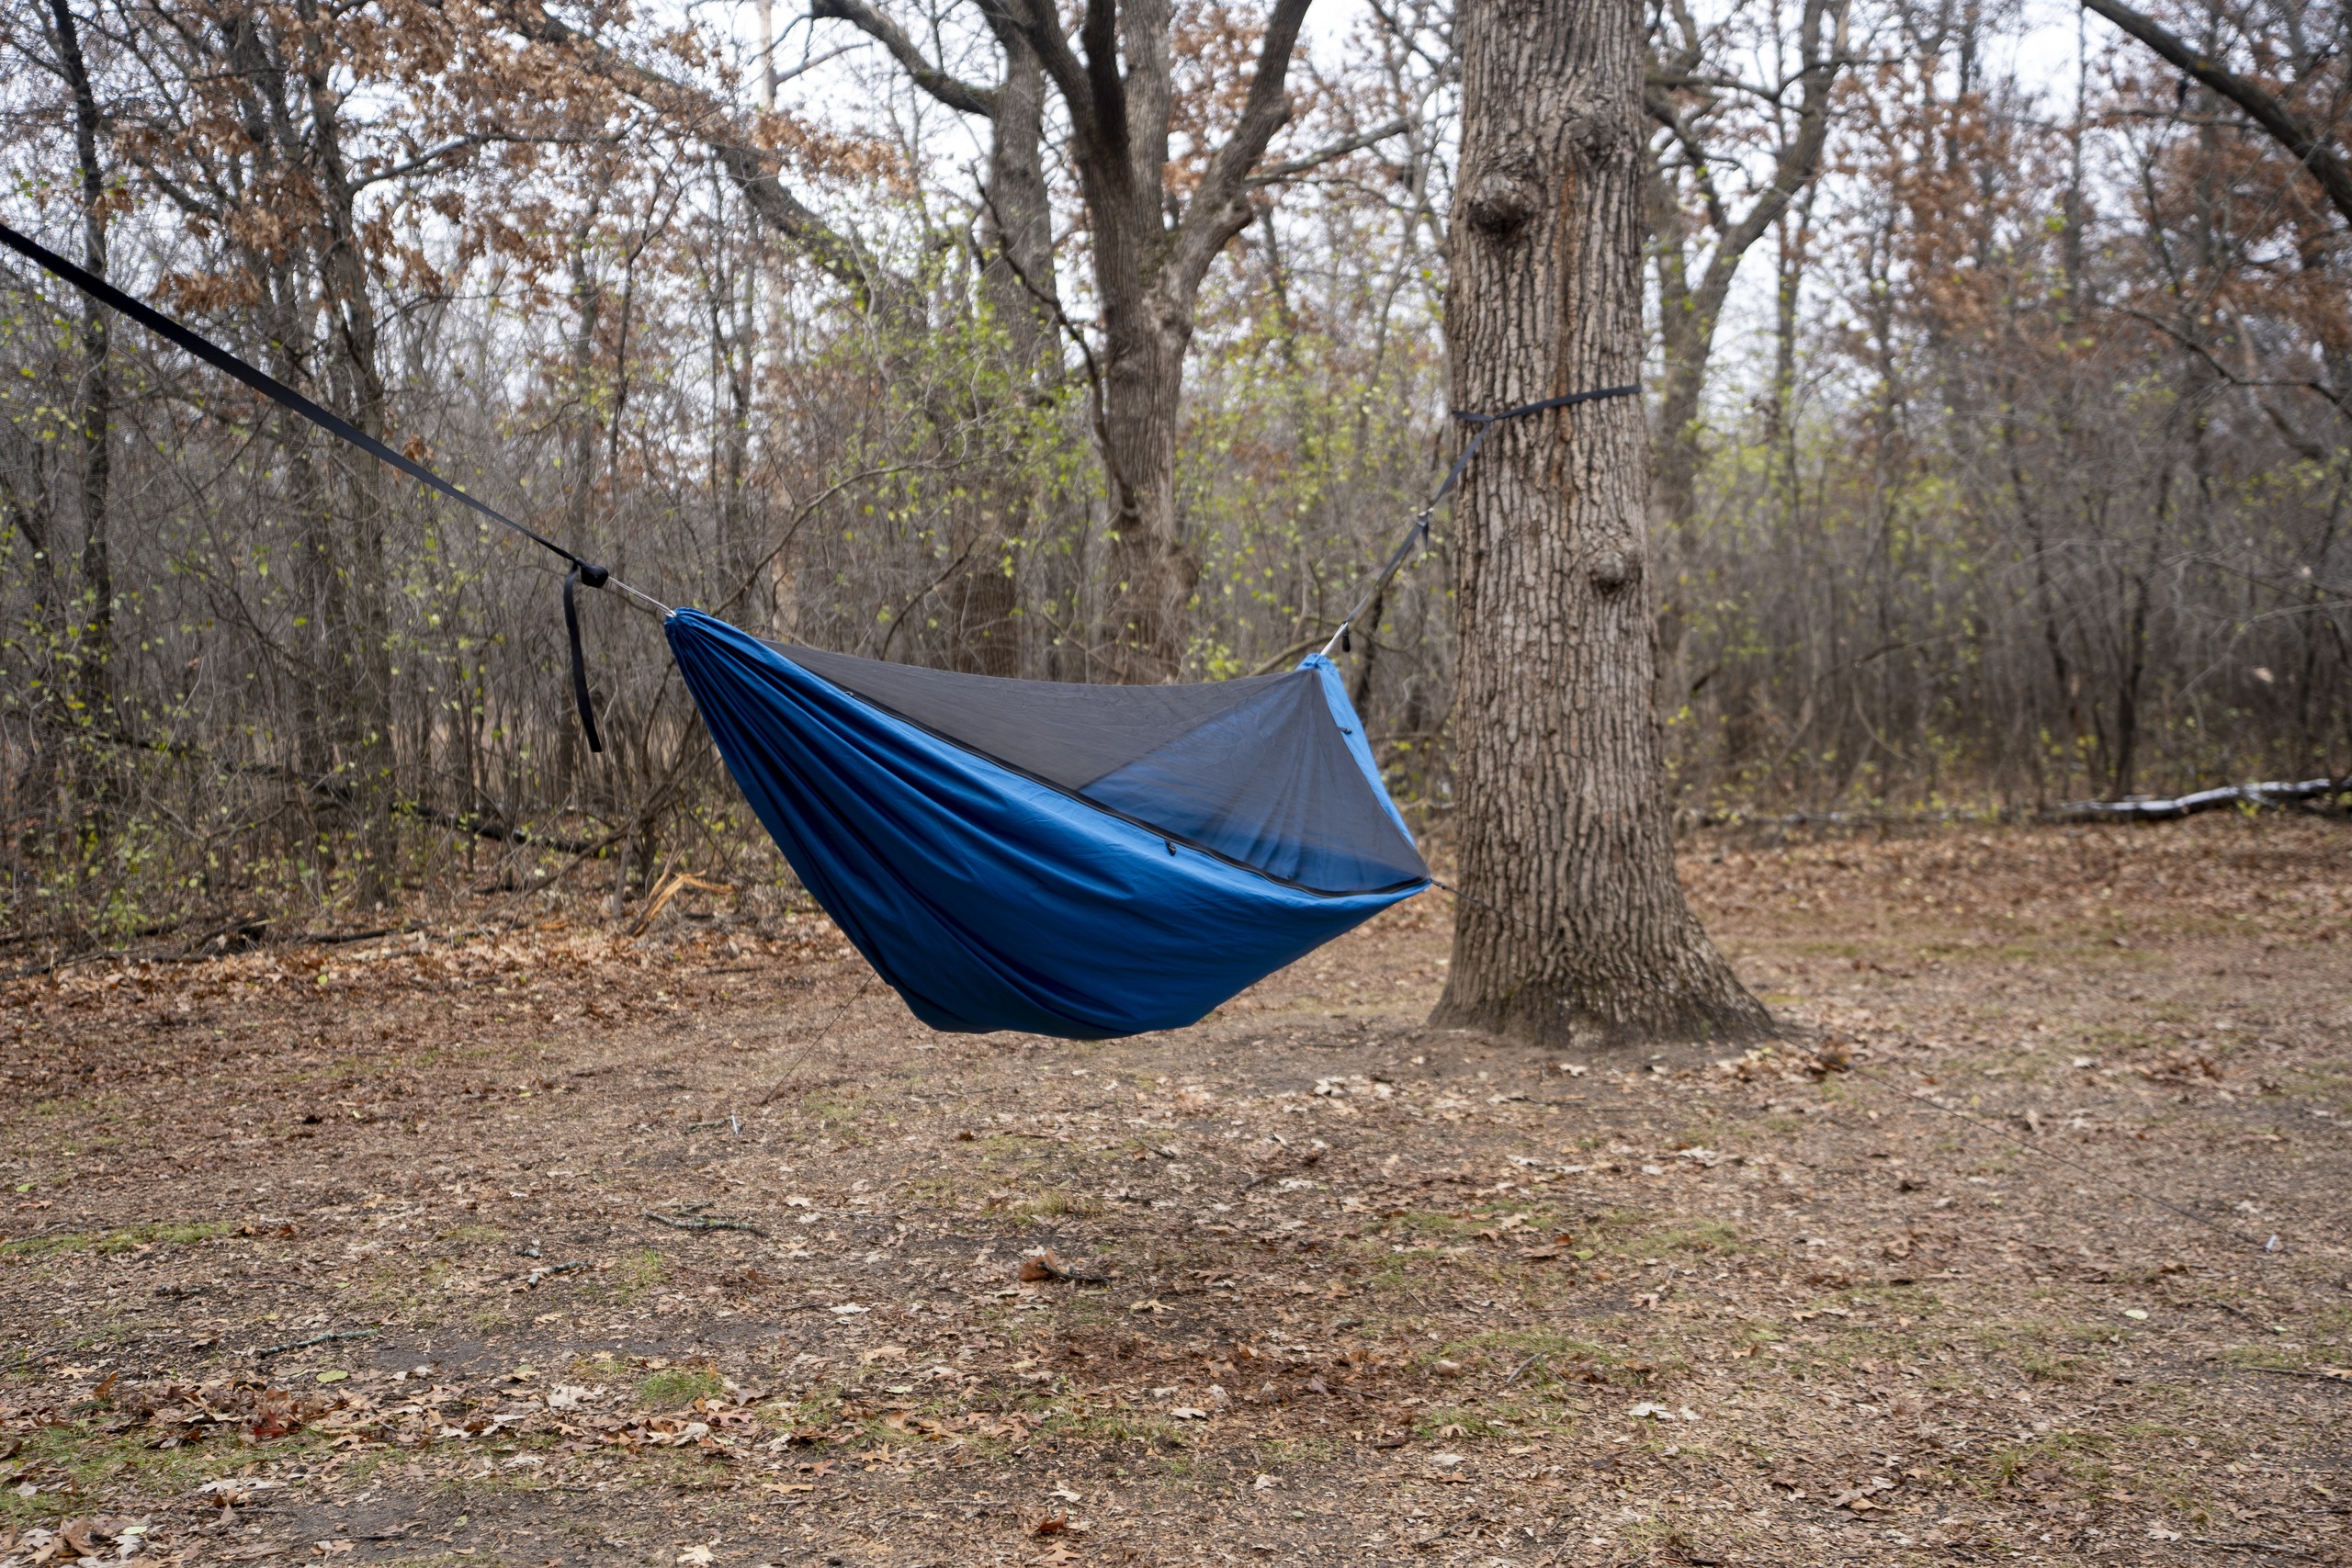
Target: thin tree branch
x,y
2284,125
1323,155
1218,210
956,94
751,168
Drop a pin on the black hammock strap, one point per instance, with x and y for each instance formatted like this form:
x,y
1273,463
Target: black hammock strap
x,y
270,386
1417,533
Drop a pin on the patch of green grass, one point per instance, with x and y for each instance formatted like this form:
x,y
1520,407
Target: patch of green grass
x,y
1446,1423
125,1240
1095,1424
475,1235
834,1112
1511,1348
674,1386
640,1271
938,1191
1321,1448
2078,1457
1056,1201
98,1463
1702,1236
2046,1366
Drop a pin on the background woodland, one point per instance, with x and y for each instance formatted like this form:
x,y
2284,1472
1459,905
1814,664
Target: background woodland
x,y
1999,390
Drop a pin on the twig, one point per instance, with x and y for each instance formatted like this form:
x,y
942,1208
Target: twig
x,y
537,1275
314,1339
1520,1367
2315,1374
698,1223
669,887
2270,1546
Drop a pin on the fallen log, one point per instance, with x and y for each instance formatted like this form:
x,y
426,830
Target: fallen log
x,y
2143,808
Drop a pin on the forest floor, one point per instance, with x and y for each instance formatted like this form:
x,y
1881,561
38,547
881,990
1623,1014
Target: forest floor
x,y
352,1252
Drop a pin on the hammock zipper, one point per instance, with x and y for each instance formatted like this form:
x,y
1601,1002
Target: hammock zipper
x,y
582,569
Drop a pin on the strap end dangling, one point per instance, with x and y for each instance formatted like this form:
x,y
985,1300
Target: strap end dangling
x,y
1347,645
580,661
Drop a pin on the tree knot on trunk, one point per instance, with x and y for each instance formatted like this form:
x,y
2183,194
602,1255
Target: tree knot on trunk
x,y
1598,129
1614,567
1505,196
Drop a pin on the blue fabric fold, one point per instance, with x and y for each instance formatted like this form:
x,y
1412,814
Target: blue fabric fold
x,y
986,897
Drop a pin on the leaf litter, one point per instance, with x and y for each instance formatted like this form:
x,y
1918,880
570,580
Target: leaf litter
x,y
1372,1289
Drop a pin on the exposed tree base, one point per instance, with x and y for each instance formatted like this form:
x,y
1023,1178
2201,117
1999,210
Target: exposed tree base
x,y
1707,1021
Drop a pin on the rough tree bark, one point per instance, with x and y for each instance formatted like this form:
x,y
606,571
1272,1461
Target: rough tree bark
x,y
1573,929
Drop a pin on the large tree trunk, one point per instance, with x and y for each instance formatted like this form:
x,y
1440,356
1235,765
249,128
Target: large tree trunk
x,y
1573,929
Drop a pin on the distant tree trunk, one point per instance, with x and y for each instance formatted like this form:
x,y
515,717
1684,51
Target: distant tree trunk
x,y
97,413
342,271
1017,280
1151,250
1574,930
1152,573
1019,226
1018,276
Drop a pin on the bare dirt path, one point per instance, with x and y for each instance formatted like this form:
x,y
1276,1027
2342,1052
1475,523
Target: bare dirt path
x,y
1337,1287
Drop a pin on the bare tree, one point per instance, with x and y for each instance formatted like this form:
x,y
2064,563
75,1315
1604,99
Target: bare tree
x,y
1018,272
1152,248
1686,92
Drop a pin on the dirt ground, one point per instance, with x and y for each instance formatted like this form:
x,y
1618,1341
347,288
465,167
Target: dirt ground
x,y
549,1246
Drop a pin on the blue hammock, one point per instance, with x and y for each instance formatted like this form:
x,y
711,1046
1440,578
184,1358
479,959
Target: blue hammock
x,y
1066,860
